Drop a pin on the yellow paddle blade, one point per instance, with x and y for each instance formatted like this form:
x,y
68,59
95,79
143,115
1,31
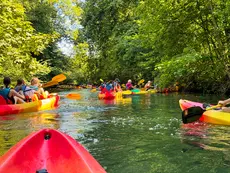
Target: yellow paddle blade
x,y
49,84
101,80
74,96
93,90
59,78
140,82
123,86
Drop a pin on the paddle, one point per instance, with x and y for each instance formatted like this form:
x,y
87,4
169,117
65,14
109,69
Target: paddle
x,y
194,113
93,90
50,83
140,81
59,78
73,96
55,80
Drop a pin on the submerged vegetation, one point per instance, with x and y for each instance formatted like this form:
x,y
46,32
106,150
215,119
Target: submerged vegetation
x,y
185,42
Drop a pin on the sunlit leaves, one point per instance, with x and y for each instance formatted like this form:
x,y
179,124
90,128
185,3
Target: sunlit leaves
x,y
18,41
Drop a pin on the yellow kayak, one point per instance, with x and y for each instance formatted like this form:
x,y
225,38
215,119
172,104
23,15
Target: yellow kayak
x,y
34,106
209,116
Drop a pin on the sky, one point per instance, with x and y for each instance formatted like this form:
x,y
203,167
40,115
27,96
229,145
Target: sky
x,y
66,47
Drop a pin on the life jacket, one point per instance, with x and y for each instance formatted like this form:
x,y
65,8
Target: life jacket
x,y
117,87
109,87
5,94
27,91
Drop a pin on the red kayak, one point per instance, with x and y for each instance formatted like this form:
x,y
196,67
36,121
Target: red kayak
x,y
49,151
107,95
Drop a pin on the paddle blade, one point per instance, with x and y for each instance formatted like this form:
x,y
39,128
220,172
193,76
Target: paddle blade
x,y
49,84
93,90
59,78
192,114
140,82
73,96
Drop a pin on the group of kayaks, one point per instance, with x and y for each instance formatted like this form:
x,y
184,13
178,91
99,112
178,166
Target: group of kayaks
x,y
113,95
51,151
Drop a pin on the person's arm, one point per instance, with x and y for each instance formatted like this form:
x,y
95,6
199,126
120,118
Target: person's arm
x,y
224,102
14,93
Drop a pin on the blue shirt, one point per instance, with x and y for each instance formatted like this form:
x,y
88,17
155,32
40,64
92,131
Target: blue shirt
x,y
5,93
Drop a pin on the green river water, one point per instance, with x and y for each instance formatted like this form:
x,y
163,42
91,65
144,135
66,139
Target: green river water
x,y
139,134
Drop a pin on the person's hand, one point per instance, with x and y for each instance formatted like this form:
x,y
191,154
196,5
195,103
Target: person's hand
x,y
221,102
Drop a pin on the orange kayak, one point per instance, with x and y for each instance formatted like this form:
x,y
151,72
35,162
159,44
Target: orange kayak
x,y
49,151
34,106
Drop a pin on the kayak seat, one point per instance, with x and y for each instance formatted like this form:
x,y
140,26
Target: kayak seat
x,y
2,100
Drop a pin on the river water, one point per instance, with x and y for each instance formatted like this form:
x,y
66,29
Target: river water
x,y
138,134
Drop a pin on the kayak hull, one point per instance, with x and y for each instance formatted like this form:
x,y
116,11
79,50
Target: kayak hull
x,y
49,150
210,116
34,106
137,92
107,96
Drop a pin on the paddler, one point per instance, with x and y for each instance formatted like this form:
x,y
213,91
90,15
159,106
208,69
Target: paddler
x,y
35,85
223,103
10,95
129,85
116,85
147,85
23,89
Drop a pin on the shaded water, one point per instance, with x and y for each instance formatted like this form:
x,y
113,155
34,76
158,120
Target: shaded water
x,y
136,134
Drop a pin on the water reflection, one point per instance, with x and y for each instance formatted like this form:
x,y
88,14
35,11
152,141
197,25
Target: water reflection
x,y
118,101
134,134
15,127
206,136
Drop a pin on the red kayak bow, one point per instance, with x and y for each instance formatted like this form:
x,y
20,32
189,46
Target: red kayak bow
x,y
49,151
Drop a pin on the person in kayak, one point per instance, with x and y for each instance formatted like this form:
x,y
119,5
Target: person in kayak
x,y
223,103
147,85
35,85
103,88
23,89
117,86
109,86
129,85
10,95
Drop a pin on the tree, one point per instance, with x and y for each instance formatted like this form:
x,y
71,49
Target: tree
x,y
20,40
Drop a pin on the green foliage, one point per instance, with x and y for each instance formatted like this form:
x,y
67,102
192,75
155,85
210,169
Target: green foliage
x,y
49,17
192,71
79,67
172,41
17,44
